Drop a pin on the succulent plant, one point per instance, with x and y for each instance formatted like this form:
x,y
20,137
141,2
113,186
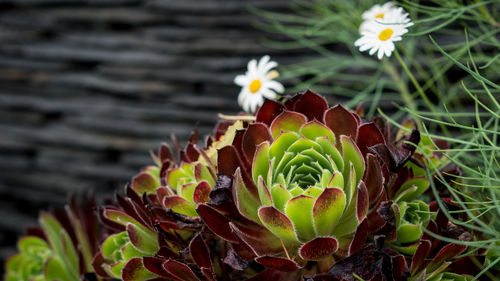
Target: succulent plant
x,y
304,192
61,248
433,256
310,195
304,178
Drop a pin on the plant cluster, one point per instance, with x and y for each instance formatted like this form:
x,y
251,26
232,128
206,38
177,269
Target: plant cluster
x,y
302,192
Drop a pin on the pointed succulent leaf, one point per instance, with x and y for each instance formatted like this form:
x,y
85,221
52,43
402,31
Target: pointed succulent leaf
x,y
362,202
353,155
201,192
418,260
281,264
142,239
180,270
145,183
310,104
280,196
268,112
368,135
287,121
216,222
255,134
412,188
328,209
341,122
447,252
134,270
245,202
314,129
264,193
261,161
55,269
408,233
199,252
318,249
261,241
203,173
278,223
359,240
180,205
300,211
373,178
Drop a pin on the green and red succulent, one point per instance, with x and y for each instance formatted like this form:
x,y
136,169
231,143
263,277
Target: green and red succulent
x,y
303,192
62,247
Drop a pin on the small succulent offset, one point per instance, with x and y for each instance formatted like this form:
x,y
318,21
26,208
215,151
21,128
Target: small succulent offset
x,y
62,247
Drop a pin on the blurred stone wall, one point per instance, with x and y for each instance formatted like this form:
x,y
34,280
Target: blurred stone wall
x,y
88,87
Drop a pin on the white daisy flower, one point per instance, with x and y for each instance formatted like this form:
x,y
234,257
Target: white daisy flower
x,y
380,35
258,83
379,12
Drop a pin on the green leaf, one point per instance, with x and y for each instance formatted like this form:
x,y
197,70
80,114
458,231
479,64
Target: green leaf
x,y
247,205
278,223
280,196
327,210
260,166
353,155
299,211
315,129
55,270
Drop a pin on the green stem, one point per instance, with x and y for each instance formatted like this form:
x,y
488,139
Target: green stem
x,y
414,81
487,15
403,90
419,89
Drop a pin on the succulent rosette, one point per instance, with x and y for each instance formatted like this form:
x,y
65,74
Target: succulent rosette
x,y
309,193
181,187
61,248
304,180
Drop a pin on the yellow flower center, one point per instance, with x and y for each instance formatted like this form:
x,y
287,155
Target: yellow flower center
x,y
384,35
255,86
379,16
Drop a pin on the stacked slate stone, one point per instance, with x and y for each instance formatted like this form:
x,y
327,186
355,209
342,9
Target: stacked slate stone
x,y
88,87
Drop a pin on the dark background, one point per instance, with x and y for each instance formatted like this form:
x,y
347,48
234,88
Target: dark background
x,y
88,87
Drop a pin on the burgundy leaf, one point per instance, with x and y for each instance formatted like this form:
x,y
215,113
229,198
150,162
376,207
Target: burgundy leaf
x,y
418,260
269,110
155,265
311,105
201,192
359,240
319,248
165,153
362,202
255,134
369,135
341,122
199,252
446,253
260,240
180,271
216,222
134,270
282,264
373,178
